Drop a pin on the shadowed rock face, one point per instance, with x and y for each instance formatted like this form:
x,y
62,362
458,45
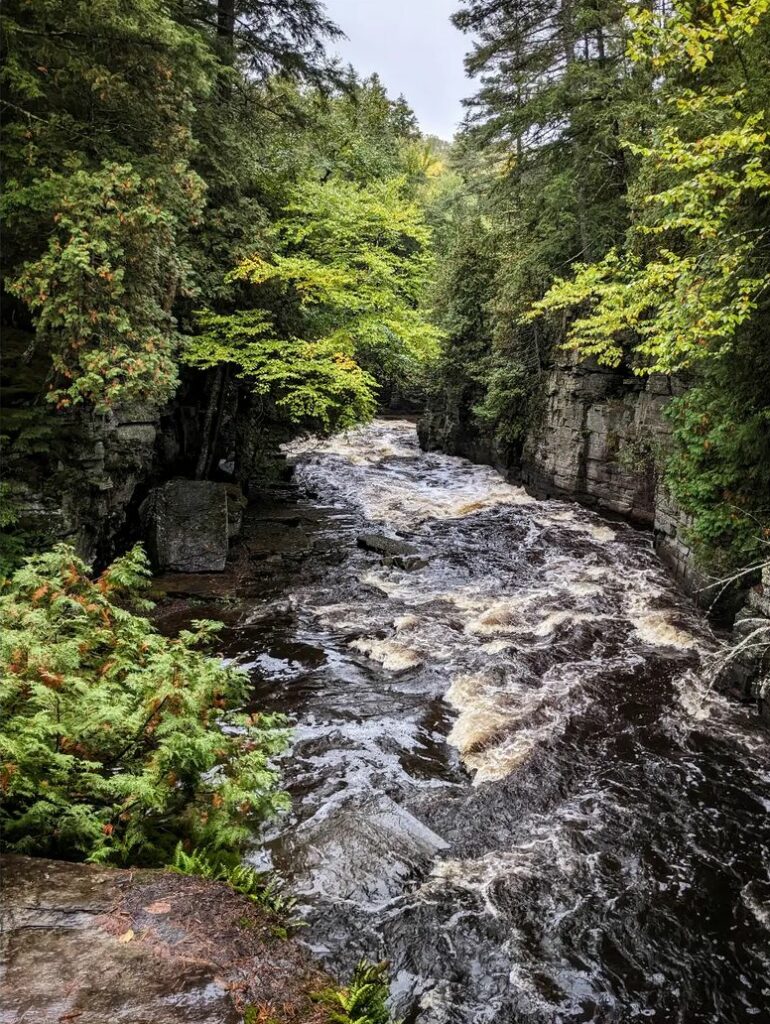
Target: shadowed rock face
x,y
186,526
90,945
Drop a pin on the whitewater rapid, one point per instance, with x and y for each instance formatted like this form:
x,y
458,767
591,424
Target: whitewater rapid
x,y
510,775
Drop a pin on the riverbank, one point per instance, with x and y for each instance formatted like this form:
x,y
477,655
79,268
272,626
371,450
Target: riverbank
x,y
84,945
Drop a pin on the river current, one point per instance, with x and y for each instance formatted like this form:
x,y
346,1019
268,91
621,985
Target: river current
x,y
510,776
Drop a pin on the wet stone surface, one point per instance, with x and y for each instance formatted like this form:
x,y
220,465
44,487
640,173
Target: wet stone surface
x,y
94,945
509,774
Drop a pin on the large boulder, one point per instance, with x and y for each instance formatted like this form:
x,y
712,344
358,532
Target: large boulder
x,y
362,852
187,525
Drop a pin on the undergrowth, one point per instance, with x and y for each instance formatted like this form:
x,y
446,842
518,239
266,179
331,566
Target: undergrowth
x,y
113,747
364,1000
264,888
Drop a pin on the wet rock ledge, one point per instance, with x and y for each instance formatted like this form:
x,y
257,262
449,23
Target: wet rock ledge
x,y
86,944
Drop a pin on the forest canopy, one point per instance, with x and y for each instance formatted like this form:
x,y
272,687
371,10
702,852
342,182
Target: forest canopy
x,y
194,186
155,150
616,203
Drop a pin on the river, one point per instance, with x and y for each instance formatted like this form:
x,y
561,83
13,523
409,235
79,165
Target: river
x,y
509,774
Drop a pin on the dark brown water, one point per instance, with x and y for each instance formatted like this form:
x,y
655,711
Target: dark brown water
x,y
508,775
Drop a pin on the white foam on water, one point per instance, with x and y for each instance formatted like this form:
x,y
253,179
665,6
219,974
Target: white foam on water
x,y
440,492
406,622
598,531
393,656
759,907
501,722
656,628
446,618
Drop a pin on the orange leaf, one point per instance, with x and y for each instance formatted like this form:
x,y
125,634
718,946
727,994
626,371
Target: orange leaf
x,y
9,770
52,679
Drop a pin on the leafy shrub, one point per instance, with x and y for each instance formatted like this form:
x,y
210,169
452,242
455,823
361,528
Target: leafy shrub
x,y
313,383
508,405
263,888
118,742
364,1001
719,472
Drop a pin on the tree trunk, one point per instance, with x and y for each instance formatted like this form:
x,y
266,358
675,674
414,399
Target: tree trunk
x,y
226,37
208,436
226,21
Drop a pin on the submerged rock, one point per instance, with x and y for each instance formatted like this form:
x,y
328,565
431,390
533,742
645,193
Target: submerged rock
x,y
363,852
409,562
188,525
396,552
90,944
384,545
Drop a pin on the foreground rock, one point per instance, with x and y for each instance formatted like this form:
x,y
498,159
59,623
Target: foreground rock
x,y
86,944
188,524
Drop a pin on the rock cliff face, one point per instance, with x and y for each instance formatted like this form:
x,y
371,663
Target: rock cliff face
x,y
81,488
600,440
82,478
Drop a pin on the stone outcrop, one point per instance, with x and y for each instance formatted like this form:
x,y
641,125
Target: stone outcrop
x,y
393,551
90,944
188,524
749,661
601,439
80,488
79,476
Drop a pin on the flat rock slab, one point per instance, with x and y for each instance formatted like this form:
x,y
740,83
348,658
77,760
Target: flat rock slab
x,y
381,544
87,945
363,852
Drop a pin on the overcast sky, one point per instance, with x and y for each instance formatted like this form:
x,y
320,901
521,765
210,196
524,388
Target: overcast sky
x,y
415,50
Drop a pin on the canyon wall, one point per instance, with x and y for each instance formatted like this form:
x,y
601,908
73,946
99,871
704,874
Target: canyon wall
x,y
81,486
601,438
81,477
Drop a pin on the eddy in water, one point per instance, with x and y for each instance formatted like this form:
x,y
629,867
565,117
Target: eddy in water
x,y
509,778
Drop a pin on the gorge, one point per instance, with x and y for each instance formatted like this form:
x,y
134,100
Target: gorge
x,y
385,518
